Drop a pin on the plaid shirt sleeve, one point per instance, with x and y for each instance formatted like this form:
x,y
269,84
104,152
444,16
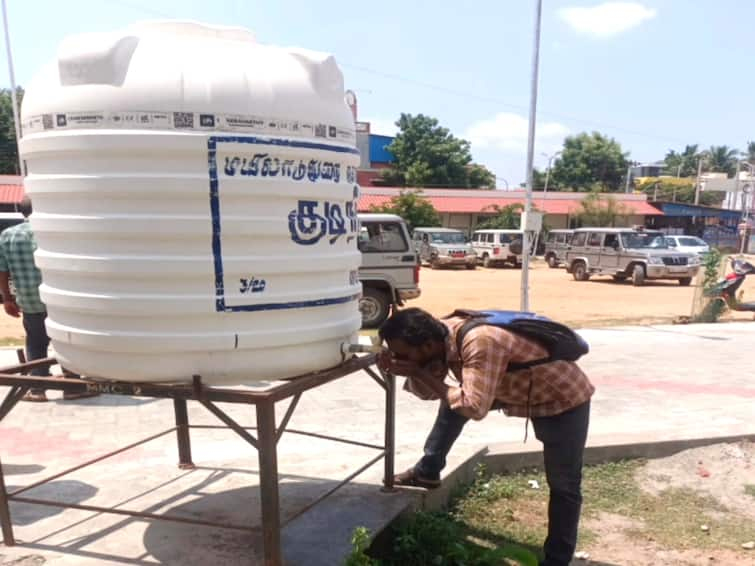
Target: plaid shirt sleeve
x,y
3,256
484,361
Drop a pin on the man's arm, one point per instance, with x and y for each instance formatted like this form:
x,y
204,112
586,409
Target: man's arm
x,y
484,363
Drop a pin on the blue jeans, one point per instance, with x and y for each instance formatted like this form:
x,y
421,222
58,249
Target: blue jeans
x,y
563,437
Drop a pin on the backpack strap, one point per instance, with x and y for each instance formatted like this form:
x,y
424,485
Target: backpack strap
x,y
479,320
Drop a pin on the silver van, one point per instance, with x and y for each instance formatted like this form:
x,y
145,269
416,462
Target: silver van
x,y
625,253
439,247
390,267
556,245
498,247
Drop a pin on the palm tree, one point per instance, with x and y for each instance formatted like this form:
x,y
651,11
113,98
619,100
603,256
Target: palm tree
x,y
722,158
749,154
683,164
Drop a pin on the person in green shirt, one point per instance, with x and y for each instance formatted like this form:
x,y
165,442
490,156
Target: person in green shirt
x,y
17,246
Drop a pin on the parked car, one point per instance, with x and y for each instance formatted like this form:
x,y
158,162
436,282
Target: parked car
x,y
556,245
498,247
688,244
625,253
440,247
390,266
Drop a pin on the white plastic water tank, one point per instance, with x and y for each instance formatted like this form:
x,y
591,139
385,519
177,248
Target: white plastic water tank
x,y
194,205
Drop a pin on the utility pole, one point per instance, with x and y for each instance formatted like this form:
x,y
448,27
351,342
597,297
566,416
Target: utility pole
x,y
697,185
13,97
524,292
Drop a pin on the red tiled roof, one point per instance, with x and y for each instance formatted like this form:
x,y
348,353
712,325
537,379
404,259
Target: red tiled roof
x,y
477,204
11,194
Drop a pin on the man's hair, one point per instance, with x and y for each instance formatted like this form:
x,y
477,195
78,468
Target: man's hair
x,y
413,326
24,207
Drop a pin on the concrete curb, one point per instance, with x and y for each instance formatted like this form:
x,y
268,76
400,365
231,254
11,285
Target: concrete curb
x,y
501,459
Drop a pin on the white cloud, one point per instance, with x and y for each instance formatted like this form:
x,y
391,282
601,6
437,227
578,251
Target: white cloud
x,y
607,19
508,132
382,126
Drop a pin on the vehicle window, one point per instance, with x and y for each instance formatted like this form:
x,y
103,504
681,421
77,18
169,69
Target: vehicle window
x,y
611,241
382,237
447,237
579,239
553,238
595,239
643,240
491,238
671,242
505,238
561,238
695,242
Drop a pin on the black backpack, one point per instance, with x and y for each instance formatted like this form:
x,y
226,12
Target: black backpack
x,y
561,342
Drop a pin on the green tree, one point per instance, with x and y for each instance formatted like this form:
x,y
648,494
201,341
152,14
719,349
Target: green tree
x,y
722,158
590,161
678,190
412,207
480,177
8,146
683,164
598,210
428,155
507,217
749,155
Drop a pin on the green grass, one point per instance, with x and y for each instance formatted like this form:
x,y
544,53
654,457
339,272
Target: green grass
x,y
750,490
504,507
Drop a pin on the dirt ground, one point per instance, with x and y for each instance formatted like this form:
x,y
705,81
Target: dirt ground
x,y
724,473
554,293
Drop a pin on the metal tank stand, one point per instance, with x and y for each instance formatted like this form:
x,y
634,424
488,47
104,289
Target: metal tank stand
x,y
268,433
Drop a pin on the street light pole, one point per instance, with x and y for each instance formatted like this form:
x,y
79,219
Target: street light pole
x,y
13,97
746,206
524,292
548,172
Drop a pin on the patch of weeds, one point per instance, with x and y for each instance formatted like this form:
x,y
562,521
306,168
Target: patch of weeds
x,y
750,490
438,539
505,509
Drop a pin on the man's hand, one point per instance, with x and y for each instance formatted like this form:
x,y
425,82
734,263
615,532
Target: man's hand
x,y
387,362
11,308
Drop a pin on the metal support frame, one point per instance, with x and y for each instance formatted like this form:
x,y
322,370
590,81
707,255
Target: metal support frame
x,y
268,436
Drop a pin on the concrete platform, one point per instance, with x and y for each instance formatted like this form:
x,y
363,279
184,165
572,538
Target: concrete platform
x,y
655,384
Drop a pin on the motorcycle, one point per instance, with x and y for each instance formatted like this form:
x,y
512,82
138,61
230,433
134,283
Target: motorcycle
x,y
724,293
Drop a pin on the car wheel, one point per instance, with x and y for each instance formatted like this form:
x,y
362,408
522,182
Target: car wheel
x,y
552,261
619,278
471,266
434,264
579,271
638,276
374,306
685,281
486,261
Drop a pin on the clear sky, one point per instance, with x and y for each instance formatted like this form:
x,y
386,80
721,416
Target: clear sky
x,y
654,74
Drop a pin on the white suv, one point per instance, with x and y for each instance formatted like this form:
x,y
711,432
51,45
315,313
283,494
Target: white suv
x,y
390,267
497,247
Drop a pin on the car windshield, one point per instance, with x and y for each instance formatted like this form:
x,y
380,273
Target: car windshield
x,y
640,240
447,237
